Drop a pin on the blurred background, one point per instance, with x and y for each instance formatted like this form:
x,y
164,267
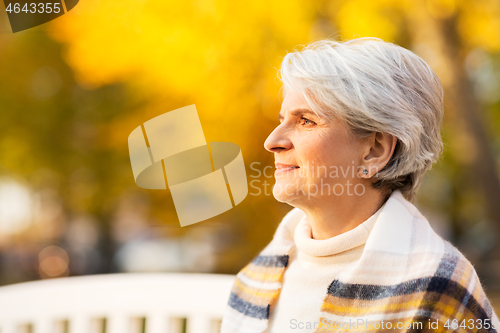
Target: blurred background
x,y
72,90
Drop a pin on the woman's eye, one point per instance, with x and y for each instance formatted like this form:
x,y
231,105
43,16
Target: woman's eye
x,y
306,121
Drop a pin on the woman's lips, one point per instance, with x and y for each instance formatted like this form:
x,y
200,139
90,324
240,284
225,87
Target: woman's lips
x,y
282,168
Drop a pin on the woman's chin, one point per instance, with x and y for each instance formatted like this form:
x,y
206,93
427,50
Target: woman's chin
x,y
281,198
284,192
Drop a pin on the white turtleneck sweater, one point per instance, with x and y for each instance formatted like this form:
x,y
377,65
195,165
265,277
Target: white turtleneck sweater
x,y
313,265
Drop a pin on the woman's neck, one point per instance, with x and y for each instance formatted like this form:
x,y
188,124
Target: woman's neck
x,y
331,216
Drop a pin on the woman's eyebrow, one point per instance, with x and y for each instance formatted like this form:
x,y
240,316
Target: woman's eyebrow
x,y
297,112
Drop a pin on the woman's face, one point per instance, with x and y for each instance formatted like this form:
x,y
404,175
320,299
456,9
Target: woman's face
x,y
315,158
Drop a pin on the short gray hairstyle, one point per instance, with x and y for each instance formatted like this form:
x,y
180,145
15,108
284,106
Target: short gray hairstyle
x,y
374,86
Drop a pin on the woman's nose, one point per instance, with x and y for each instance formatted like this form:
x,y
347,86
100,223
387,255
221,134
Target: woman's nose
x,y
278,140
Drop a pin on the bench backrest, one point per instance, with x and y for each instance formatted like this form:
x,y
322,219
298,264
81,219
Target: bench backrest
x,y
116,303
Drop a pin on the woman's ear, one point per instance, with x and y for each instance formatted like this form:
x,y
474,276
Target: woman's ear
x,y
380,147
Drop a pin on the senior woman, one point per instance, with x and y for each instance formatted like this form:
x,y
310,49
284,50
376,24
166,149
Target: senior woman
x,y
359,126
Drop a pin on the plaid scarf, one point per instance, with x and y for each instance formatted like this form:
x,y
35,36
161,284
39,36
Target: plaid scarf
x,y
407,279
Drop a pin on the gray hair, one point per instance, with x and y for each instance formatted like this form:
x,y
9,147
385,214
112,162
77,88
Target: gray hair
x,y
374,86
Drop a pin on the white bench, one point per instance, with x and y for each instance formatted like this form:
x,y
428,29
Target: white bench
x,y
116,303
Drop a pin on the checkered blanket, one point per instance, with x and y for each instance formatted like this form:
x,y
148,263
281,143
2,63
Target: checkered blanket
x,y
407,279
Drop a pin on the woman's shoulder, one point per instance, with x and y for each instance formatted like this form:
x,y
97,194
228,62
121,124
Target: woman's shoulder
x,y
405,233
